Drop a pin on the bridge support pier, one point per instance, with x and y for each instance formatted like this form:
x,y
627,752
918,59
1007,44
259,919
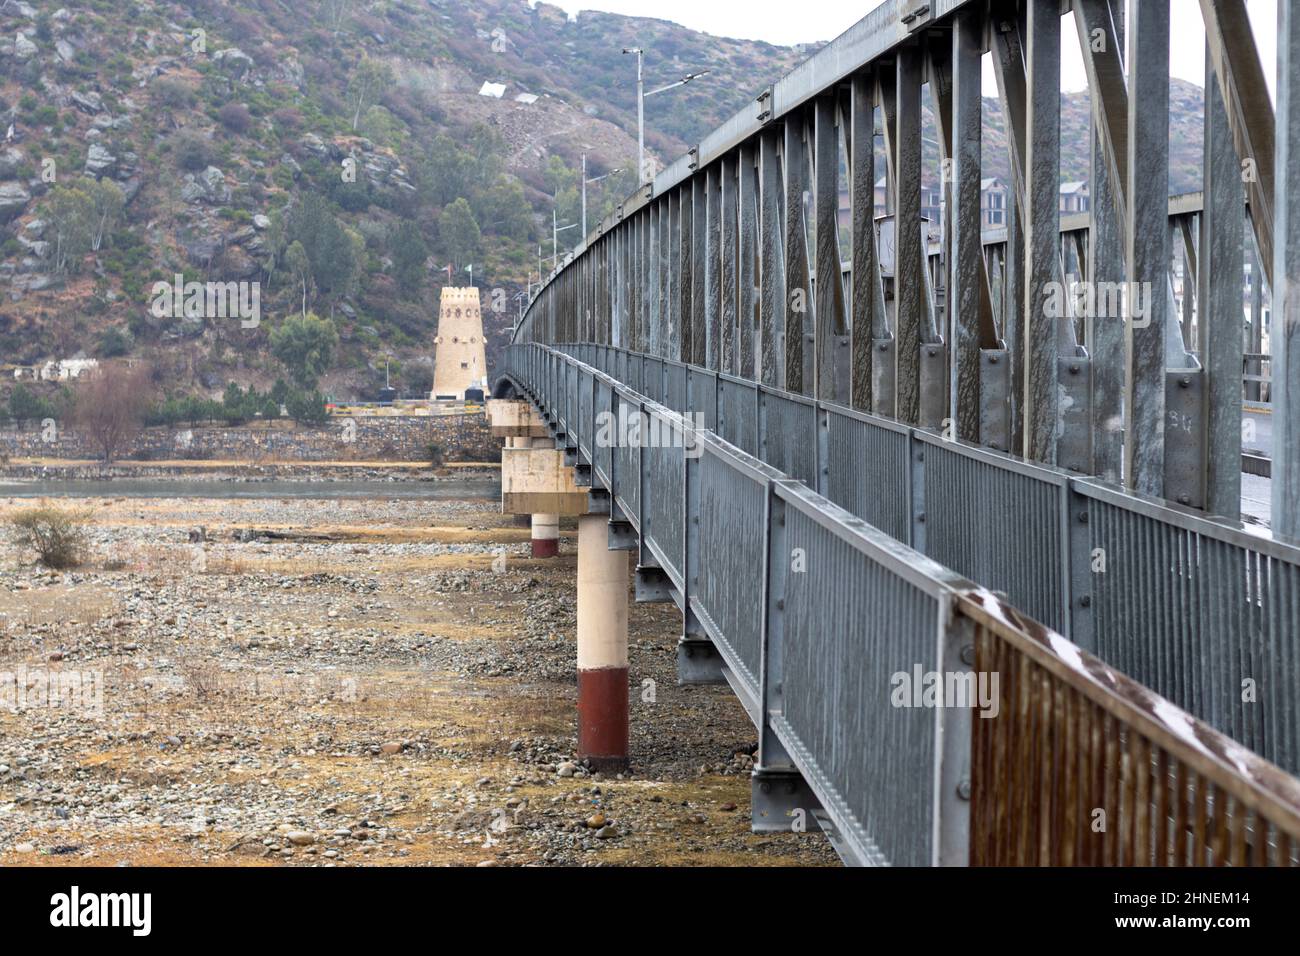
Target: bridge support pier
x,y
546,535
602,647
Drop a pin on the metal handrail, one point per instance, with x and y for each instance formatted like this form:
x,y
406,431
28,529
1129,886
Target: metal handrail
x,y
1204,799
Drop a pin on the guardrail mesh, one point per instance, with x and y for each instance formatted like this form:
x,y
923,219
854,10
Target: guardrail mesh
x,y
1184,605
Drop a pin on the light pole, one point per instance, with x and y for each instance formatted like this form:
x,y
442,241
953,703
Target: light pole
x,y
556,229
641,95
585,180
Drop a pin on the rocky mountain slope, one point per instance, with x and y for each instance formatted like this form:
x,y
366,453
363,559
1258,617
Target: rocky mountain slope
x,y
341,154
338,153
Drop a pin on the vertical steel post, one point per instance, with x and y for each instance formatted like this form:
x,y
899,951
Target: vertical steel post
x,y
1285,338
798,296
1042,231
866,306
1219,334
728,311
966,257
909,256
771,265
829,284
1147,250
746,276
712,267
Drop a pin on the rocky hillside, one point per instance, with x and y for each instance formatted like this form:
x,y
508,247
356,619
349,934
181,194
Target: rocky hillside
x,y
343,155
340,153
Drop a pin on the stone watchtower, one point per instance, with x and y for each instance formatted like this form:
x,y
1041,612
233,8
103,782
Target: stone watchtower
x,y
460,359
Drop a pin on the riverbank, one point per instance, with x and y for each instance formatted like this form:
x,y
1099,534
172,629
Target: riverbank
x,y
55,469
381,681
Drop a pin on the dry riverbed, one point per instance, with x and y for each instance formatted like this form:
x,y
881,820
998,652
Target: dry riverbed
x,y
360,687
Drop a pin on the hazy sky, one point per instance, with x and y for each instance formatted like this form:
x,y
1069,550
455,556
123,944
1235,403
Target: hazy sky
x,y
803,21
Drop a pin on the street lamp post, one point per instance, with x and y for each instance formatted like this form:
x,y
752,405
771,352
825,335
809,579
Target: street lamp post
x,y
640,112
585,181
556,229
641,96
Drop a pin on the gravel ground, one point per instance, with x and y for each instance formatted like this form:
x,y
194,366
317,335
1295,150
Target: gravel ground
x,y
366,688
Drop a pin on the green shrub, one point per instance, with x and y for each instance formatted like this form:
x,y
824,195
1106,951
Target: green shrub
x,y
56,535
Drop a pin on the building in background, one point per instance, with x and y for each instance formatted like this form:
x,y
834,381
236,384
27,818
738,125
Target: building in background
x,y
459,359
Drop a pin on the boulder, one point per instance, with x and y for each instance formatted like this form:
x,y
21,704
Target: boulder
x,y
13,200
24,48
11,160
89,103
99,161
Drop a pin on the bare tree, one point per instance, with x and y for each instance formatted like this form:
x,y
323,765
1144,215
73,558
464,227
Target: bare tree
x,y
110,405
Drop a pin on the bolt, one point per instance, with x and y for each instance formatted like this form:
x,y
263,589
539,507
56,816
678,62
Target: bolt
x,y
968,654
765,787
993,360
1085,601
1083,517
932,352
780,604
1074,370
1184,382
1184,499
963,790
920,519
884,347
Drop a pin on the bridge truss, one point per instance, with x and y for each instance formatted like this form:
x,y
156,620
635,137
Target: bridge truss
x,y
974,476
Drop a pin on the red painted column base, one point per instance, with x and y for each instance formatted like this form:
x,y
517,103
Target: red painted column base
x,y
602,718
546,547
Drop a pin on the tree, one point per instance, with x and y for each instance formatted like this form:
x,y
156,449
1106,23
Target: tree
x,y
299,267
330,248
114,342
193,151
409,255
505,210
82,214
417,376
106,204
110,405
235,117
335,12
460,232
25,405
368,79
449,170
487,157
304,345
307,408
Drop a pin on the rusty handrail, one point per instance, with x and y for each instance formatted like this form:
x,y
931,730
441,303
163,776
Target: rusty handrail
x,y
1084,766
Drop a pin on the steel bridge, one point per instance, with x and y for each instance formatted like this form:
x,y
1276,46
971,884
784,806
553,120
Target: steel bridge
x,y
917,466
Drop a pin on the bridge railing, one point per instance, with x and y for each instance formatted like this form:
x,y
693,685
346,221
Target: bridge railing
x,y
1085,767
831,631
1203,611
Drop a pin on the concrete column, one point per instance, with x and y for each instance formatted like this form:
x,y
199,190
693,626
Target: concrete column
x,y
602,647
546,536
519,520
